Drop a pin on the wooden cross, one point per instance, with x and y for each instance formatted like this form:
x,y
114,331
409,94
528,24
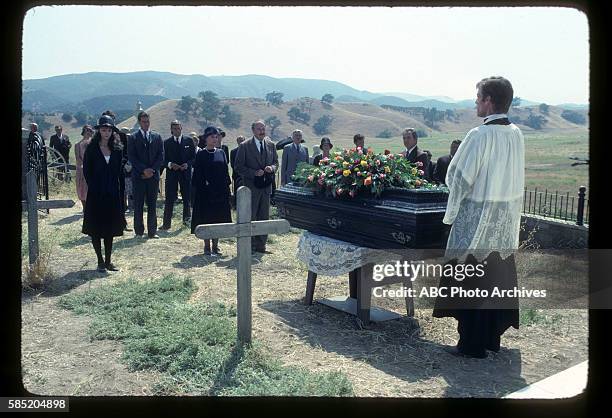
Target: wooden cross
x,y
244,229
31,205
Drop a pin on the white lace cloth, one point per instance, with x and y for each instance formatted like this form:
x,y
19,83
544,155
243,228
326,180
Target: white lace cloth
x,y
331,257
486,178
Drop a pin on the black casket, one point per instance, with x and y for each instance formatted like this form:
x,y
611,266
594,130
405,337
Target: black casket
x,y
401,218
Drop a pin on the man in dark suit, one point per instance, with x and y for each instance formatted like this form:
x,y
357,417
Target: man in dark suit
x,y
256,163
293,154
359,141
61,143
413,153
222,145
439,174
146,154
179,155
235,176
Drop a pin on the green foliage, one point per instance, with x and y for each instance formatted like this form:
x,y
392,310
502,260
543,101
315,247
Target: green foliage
x,y
188,105
297,115
273,122
229,118
42,123
535,121
210,106
323,125
421,133
387,133
350,172
66,117
432,116
193,345
275,97
573,117
327,98
81,117
544,108
529,317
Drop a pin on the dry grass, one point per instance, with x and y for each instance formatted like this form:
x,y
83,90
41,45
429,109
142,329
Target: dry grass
x,y
401,358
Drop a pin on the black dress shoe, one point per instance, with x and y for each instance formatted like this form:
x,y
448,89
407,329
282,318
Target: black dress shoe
x,y
111,267
207,251
101,268
216,251
458,353
154,236
164,227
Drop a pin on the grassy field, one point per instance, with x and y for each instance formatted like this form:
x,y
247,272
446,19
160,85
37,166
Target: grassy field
x,y
165,323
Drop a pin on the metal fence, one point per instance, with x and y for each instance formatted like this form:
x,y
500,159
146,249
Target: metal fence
x,y
564,206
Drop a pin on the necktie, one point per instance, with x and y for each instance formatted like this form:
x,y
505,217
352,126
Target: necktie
x,y
261,148
177,141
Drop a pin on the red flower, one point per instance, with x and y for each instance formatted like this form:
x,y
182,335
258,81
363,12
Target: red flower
x,y
419,164
387,152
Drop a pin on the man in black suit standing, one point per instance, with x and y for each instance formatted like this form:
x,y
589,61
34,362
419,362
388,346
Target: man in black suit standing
x,y
439,174
413,153
61,143
179,155
235,176
146,154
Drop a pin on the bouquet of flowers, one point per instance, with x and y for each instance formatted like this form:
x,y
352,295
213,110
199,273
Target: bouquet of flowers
x,y
351,171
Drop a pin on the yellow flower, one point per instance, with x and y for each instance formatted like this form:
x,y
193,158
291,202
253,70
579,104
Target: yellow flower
x,y
414,171
346,173
364,163
345,164
387,170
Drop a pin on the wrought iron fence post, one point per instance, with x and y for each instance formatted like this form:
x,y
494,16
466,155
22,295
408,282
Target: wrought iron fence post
x,y
580,214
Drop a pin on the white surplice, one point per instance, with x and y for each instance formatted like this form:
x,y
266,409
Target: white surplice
x,y
486,178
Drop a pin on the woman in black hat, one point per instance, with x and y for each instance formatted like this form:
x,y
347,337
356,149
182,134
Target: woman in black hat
x,y
325,146
103,216
210,184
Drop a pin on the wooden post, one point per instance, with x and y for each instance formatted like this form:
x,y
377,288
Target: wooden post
x,y
244,229
32,217
580,215
243,285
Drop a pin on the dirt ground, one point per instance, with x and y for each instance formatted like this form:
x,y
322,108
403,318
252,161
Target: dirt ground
x,y
399,358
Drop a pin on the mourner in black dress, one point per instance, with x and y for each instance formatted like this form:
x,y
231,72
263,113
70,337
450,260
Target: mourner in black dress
x,y
325,146
210,184
103,216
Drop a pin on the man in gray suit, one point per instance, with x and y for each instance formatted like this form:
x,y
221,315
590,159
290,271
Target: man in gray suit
x,y
146,154
256,163
292,155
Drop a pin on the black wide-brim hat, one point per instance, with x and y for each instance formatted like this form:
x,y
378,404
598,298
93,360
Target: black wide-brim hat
x,y
106,120
326,140
211,130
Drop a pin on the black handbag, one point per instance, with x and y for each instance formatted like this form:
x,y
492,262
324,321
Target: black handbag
x,y
261,182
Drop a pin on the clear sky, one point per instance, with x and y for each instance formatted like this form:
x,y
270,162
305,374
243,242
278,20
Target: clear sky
x,y
427,51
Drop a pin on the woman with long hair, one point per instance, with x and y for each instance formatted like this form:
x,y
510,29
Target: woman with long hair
x,y
210,184
79,152
103,216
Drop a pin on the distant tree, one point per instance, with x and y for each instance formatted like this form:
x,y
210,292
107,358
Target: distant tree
x,y
275,97
323,125
42,123
188,105
421,133
515,119
516,102
450,114
229,118
327,98
544,108
81,117
66,117
574,117
297,115
273,122
385,134
432,116
210,106
535,122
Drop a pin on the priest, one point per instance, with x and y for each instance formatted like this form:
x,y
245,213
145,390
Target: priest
x,y
485,179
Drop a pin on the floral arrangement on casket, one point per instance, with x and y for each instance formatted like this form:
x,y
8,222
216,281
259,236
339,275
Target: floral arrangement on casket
x,y
350,172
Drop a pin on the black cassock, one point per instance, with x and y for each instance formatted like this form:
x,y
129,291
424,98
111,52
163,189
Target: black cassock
x,y
210,184
103,216
481,321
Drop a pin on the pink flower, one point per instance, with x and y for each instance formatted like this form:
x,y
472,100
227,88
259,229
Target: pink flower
x,y
310,178
381,175
320,182
338,171
419,164
339,191
352,193
421,172
333,165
